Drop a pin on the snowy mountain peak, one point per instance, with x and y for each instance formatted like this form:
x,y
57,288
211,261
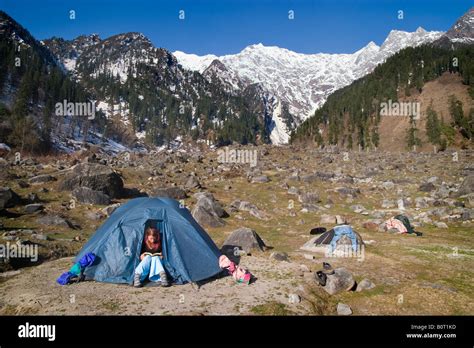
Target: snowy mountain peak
x,y
463,30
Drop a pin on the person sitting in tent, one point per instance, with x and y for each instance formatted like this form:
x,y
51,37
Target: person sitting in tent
x,y
150,265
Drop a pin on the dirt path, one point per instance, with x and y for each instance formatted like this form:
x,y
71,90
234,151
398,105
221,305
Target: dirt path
x,y
35,291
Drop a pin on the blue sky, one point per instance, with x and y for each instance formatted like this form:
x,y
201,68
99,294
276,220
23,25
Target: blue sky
x,y
227,26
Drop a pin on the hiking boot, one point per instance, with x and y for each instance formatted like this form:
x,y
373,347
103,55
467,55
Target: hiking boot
x,y
321,278
136,280
164,279
418,234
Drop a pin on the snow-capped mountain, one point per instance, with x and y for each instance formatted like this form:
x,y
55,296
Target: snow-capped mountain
x,y
462,32
304,81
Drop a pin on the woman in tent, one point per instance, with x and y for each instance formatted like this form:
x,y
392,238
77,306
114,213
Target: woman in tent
x,y
150,265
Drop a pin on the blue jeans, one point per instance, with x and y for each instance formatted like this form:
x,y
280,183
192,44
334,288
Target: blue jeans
x,y
150,267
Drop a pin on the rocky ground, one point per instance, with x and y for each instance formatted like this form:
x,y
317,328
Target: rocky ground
x,y
58,202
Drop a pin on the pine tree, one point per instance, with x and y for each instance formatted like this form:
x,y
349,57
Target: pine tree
x,y
433,126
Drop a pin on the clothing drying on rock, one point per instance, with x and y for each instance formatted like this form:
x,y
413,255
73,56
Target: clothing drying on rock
x,y
402,224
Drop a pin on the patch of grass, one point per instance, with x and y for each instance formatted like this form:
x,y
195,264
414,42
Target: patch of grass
x,y
271,308
111,305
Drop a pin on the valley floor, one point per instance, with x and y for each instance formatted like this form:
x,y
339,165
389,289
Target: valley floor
x,y
432,274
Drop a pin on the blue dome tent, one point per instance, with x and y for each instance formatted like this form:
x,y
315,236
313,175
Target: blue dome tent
x,y
189,254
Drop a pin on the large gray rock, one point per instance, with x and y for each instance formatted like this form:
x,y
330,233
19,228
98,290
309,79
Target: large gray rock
x,y
343,309
192,183
89,196
56,220
260,179
41,179
208,211
96,177
342,280
246,239
365,284
309,198
33,208
467,186
170,192
8,198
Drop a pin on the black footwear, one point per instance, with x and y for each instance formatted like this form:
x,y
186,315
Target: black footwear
x,y
164,279
418,234
321,278
327,268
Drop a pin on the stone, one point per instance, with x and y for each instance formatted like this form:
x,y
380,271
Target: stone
x,y
96,177
110,209
343,309
441,224
309,198
388,204
8,198
294,298
170,192
192,183
33,208
304,268
342,280
388,185
55,220
426,187
467,186
41,179
327,219
365,284
208,211
89,196
245,239
260,179
279,256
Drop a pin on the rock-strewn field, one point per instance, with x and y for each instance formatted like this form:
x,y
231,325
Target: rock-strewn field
x,y
58,202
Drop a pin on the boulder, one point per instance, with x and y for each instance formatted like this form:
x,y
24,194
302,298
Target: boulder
x,y
8,198
96,177
467,186
260,179
208,211
343,309
89,196
309,198
341,280
110,209
279,256
33,208
426,187
192,183
56,220
41,179
365,284
170,192
4,149
246,239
